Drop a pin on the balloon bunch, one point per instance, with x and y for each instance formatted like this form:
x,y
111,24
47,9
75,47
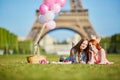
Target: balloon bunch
x,y
48,9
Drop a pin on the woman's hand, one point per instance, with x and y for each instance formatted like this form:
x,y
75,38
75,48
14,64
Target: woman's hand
x,y
92,49
82,62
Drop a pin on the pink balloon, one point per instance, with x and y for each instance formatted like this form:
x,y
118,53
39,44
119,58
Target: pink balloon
x,y
43,9
61,2
49,3
50,25
56,8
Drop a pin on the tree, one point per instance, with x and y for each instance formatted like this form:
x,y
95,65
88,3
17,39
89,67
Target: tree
x,y
115,43
105,42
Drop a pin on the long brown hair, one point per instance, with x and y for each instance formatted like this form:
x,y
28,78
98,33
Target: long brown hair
x,y
77,46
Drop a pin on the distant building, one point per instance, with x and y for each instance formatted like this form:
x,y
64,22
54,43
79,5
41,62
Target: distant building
x,y
21,38
48,44
75,39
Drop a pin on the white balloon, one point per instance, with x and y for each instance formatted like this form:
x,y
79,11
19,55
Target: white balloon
x,y
49,16
50,25
41,19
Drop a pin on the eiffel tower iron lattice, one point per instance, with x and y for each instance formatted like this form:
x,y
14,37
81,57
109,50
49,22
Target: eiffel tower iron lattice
x,y
76,19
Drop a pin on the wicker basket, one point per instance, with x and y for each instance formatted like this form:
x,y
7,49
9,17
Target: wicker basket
x,y
35,59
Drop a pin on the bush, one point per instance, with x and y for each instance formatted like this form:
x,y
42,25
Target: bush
x,y
25,46
8,41
115,44
105,42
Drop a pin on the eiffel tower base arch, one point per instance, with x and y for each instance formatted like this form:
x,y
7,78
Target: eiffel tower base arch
x,y
76,20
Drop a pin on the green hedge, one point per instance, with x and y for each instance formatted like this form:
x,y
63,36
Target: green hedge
x,y
105,42
8,41
3,38
115,44
25,46
13,42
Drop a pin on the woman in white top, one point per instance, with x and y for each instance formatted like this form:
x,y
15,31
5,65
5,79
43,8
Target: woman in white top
x,y
97,54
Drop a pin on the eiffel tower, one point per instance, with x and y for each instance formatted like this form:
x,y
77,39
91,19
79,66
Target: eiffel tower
x,y
76,19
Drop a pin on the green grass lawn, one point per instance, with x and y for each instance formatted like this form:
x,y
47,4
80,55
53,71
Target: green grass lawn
x,y
15,67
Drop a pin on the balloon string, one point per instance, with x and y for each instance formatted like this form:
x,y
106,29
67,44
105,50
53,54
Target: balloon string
x,y
39,35
36,44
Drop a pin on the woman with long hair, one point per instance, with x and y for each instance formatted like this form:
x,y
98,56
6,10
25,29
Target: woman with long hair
x,y
78,52
97,54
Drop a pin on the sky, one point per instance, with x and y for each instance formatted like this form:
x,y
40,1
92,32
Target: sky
x,y
18,16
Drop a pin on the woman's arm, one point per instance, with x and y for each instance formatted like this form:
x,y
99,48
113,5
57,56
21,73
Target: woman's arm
x,y
91,57
71,53
102,55
78,57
